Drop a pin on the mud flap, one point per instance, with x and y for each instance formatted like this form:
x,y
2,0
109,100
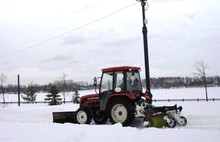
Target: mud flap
x,y
64,117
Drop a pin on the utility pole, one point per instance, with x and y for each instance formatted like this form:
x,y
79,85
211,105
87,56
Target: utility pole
x,y
146,58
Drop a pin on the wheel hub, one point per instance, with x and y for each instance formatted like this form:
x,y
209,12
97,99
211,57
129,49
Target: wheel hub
x,y
120,113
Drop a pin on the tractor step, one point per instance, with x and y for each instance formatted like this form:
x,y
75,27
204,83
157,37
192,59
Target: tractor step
x,y
64,117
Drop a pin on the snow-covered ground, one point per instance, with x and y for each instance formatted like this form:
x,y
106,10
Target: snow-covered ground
x,y
33,122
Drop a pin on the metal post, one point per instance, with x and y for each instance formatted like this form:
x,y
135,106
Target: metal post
x,y
18,90
146,58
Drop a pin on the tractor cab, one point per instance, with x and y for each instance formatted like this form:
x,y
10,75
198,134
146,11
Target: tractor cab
x,y
120,80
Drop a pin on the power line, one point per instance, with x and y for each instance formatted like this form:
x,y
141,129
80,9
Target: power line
x,y
68,32
80,27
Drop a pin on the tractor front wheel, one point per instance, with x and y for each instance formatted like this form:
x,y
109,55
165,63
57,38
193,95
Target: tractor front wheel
x,y
83,116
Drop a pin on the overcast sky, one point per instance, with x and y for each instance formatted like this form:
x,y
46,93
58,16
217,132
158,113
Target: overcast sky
x,y
41,39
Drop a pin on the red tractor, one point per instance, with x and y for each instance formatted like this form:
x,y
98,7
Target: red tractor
x,y
120,90
120,99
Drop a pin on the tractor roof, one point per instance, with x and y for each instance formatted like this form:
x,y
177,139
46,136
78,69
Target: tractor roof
x,y
120,68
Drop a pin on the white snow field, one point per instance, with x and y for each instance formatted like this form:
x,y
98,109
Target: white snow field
x,y
33,122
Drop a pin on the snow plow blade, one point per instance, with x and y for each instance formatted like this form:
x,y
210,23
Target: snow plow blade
x,y
64,117
165,109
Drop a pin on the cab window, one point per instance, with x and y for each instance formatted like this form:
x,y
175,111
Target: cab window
x,y
133,81
107,82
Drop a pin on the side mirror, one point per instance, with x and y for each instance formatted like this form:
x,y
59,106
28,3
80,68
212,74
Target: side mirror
x,y
95,82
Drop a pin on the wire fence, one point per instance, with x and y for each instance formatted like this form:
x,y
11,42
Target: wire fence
x,y
35,102
186,100
154,100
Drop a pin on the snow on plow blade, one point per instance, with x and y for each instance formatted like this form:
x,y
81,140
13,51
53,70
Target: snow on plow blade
x,y
64,117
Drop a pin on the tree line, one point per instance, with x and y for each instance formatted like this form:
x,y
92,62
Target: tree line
x,y
68,86
160,82
178,82
58,88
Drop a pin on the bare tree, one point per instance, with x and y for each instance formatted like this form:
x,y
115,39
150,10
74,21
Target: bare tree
x,y
63,79
200,71
3,78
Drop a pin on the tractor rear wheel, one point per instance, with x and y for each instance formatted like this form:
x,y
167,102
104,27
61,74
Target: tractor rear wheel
x,y
83,116
121,111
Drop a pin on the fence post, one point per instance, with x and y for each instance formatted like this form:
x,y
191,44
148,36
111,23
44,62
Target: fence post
x,y
18,90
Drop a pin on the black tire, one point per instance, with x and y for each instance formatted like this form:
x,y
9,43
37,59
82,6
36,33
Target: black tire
x,y
183,121
172,123
121,111
83,116
101,118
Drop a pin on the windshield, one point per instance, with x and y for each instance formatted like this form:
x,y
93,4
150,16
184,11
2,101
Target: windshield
x,y
124,81
107,80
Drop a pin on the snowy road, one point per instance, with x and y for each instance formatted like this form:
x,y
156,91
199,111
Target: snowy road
x,y
33,123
